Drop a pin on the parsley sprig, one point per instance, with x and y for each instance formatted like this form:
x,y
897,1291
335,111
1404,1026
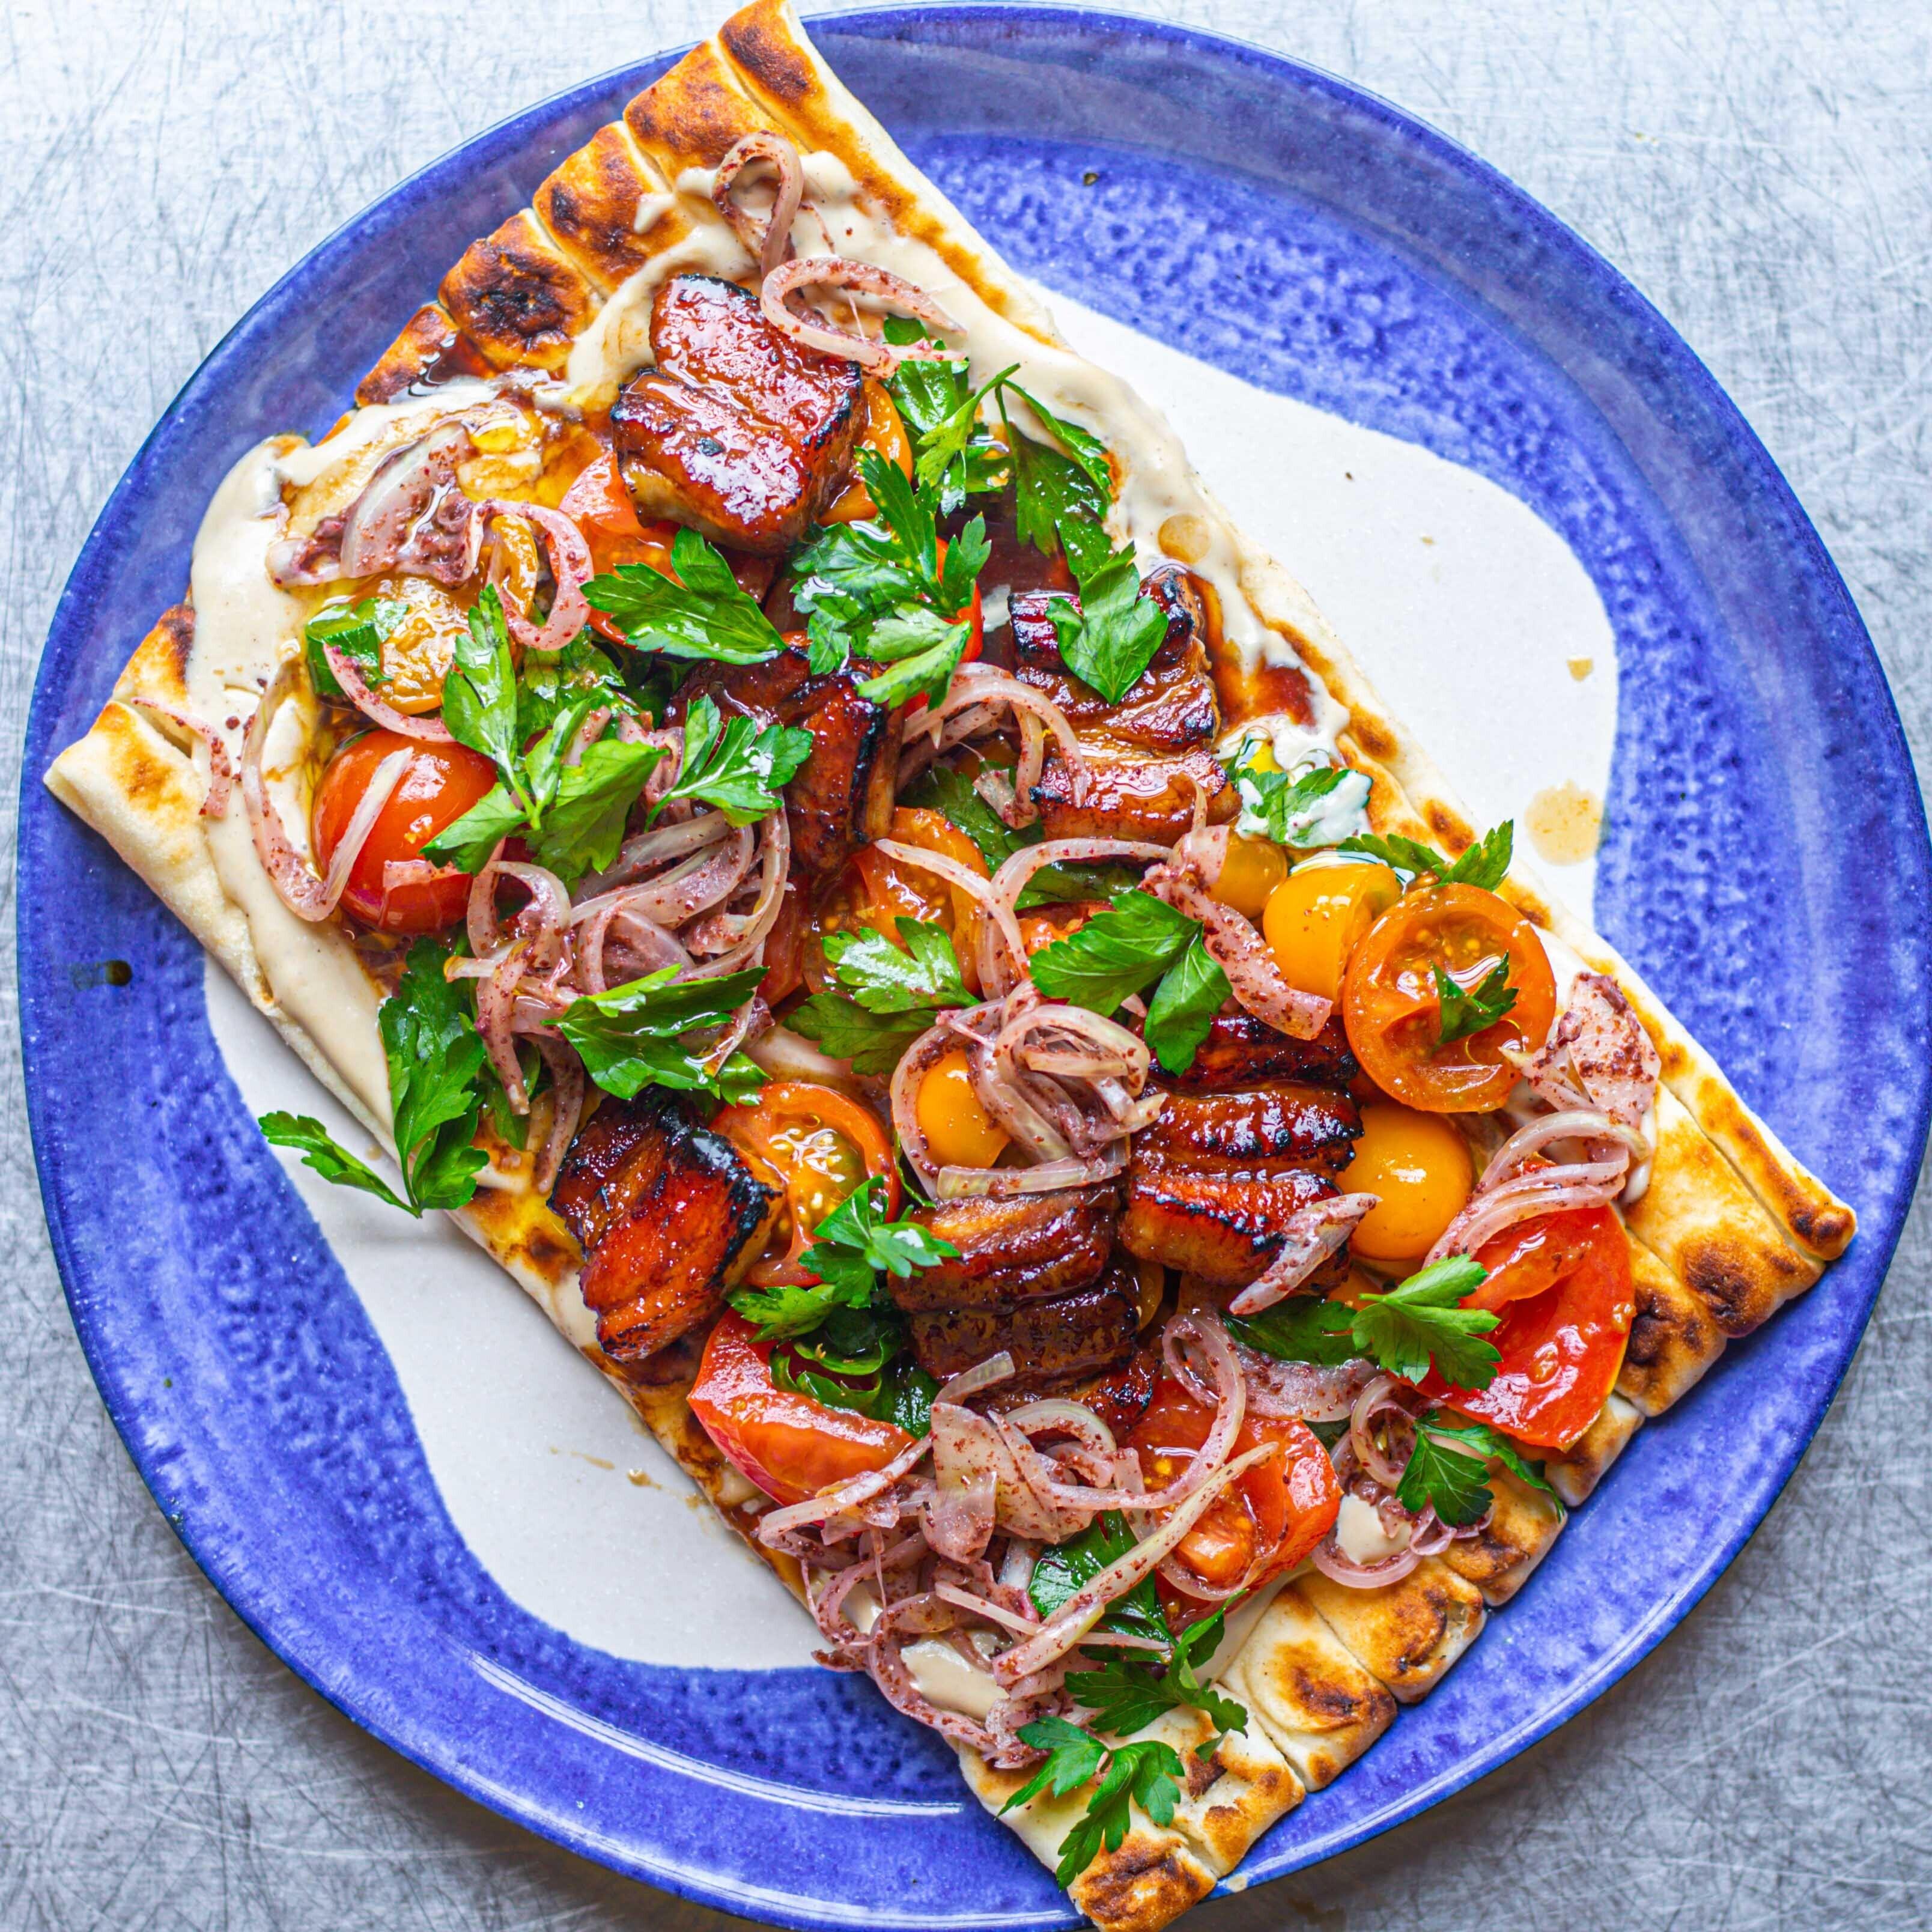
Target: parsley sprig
x,y
1466,1010
850,1248
435,1055
1126,1693
358,632
1447,1469
1300,809
857,1359
1486,863
1148,1774
1140,940
1110,639
1417,1321
574,815
637,1035
885,995
699,611
740,767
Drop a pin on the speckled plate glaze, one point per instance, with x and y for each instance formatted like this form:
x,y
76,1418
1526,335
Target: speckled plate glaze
x,y
1271,220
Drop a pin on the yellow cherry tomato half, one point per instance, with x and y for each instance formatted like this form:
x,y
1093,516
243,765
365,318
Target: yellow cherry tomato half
x,y
959,1132
1252,871
1419,1166
1318,915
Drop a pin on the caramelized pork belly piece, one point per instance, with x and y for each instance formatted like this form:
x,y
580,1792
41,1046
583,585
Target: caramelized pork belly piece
x,y
1284,1125
1221,1225
1170,709
1241,1051
1151,798
1119,1398
738,431
842,797
669,1218
1022,1248
1053,1341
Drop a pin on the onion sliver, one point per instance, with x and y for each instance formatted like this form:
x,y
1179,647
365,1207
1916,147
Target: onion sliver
x,y
298,888
770,242
842,1497
876,356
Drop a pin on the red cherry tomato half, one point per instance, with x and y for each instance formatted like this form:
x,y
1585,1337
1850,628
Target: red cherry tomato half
x,y
789,1445
442,782
1270,1519
1561,1286
1393,1011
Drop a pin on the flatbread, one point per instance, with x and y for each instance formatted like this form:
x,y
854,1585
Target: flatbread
x,y
1731,1227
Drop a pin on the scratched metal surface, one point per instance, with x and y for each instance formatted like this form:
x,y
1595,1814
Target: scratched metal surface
x,y
1763,173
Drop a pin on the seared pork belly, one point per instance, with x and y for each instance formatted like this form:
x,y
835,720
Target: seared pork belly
x,y
1171,708
1022,1249
738,431
669,1217
1269,1127
1119,1398
1241,1051
1053,1341
1222,1225
1151,799
842,797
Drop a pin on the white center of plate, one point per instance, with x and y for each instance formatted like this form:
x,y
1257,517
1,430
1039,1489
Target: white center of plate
x,y
1459,604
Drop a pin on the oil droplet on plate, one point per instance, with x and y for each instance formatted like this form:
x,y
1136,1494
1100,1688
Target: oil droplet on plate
x,y
1186,537
1565,823
1580,667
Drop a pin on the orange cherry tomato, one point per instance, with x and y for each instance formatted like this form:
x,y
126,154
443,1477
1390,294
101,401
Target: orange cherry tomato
x,y
1271,1518
1561,1286
892,890
789,1445
816,1145
1391,1006
439,785
884,432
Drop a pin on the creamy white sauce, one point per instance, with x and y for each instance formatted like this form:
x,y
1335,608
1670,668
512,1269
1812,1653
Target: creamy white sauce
x,y
941,1675
1360,1535
245,626
375,423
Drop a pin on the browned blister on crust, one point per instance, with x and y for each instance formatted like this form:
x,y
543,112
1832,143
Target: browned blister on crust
x,y
519,298
691,117
1701,1221
1575,1473
1230,1795
1147,1883
1407,1632
1499,1558
1321,1708
609,209
1674,1337
430,349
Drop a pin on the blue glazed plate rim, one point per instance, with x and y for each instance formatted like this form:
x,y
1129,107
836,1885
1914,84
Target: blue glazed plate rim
x,y
506,142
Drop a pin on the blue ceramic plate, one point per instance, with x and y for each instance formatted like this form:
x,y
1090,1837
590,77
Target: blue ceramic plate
x,y
1375,269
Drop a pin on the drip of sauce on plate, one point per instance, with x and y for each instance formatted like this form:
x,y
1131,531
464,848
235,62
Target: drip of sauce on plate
x,y
1565,823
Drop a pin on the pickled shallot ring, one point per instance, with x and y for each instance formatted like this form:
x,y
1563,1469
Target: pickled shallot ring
x,y
877,357
985,1375
842,1497
221,771
1313,1233
570,565
383,783
355,688
298,888
767,240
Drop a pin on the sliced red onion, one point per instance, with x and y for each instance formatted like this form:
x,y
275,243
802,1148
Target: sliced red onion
x,y
986,1609
496,1021
1311,1234
1578,1124
567,1090
767,240
1600,1042
965,1466
355,689
298,888
1329,1558
1541,1191
659,846
969,882
1075,1618
1011,880
1241,952
1385,1399
842,1498
1301,1391
1071,1418
787,1055
877,357
570,567
383,782
221,771
994,1370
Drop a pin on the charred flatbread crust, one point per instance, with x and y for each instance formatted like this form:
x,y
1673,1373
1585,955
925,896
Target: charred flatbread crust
x,y
1408,1634
1732,1225
1499,1558
1577,1471
1320,1707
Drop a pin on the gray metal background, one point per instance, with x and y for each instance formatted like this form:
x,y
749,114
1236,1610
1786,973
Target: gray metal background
x,y
1761,172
